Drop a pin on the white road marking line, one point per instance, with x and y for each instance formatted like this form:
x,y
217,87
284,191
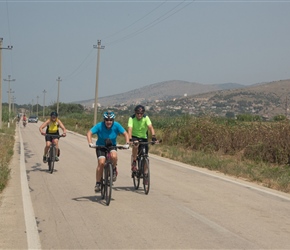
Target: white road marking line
x,y
33,240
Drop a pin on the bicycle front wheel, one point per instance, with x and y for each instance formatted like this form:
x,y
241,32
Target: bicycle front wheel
x,y
146,174
48,161
52,158
107,183
136,176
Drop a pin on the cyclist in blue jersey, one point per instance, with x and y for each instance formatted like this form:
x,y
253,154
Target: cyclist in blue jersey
x,y
138,126
107,132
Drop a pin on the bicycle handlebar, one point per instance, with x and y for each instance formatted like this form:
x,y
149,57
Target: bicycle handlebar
x,y
147,142
111,147
54,136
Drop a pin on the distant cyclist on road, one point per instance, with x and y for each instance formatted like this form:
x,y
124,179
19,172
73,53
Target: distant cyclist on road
x,y
52,127
24,120
106,130
138,126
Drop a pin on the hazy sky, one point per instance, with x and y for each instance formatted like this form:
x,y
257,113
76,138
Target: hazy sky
x,y
145,42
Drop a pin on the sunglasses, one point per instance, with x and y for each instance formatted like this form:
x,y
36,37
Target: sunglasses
x,y
138,113
109,120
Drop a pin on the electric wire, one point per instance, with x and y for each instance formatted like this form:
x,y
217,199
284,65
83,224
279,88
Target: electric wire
x,y
153,23
141,30
138,20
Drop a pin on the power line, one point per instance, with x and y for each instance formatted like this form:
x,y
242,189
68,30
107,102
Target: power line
x,y
154,22
135,21
77,68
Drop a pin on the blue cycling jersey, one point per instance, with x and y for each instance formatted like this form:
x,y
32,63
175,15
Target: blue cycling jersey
x,y
104,133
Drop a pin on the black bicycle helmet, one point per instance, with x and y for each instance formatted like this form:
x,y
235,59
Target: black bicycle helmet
x,y
109,115
53,113
139,108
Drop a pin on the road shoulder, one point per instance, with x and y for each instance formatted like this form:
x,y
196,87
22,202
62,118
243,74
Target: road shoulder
x,y
12,222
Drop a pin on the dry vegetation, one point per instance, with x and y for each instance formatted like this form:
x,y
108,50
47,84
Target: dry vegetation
x,y
6,152
257,151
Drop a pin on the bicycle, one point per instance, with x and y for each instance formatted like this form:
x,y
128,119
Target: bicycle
x,y
143,170
107,181
51,154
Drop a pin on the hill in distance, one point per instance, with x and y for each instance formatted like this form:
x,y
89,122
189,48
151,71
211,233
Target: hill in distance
x,y
162,91
265,99
280,89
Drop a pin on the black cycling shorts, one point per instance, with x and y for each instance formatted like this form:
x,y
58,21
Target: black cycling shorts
x,y
101,152
49,138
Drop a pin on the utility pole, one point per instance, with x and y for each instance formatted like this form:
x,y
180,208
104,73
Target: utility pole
x,y
37,105
44,91
9,105
57,106
97,79
9,97
13,102
32,107
9,47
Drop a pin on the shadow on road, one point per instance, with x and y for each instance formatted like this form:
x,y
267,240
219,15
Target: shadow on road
x,y
94,198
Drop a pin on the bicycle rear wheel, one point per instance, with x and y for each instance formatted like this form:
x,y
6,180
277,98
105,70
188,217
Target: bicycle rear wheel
x,y
107,183
146,174
52,158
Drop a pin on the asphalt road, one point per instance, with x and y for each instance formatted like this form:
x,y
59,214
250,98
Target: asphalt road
x,y
187,207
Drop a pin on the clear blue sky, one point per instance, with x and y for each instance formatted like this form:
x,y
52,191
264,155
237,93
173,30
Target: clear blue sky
x,y
146,42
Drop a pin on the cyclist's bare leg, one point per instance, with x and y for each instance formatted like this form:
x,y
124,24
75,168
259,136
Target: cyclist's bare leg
x,y
56,145
100,167
114,157
134,152
46,148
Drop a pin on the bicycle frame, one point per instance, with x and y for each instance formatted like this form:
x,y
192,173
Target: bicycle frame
x,y
107,179
143,171
52,152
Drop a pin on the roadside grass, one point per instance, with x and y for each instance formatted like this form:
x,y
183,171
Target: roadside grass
x,y
265,174
7,141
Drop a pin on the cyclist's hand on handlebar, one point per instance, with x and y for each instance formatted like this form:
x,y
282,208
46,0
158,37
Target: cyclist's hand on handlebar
x,y
63,135
91,145
126,146
43,133
154,139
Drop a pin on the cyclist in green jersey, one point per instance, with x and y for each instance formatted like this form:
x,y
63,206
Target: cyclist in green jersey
x,y
138,126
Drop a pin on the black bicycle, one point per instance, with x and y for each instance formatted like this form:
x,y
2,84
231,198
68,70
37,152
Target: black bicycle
x,y
107,181
143,170
51,154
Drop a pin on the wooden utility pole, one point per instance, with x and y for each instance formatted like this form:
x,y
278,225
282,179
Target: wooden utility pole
x,y
9,47
97,79
57,105
44,91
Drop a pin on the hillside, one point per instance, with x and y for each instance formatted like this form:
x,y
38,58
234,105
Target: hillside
x,y
266,100
279,88
160,91
263,99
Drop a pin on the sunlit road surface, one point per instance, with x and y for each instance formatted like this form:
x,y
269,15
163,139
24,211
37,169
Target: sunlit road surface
x,y
186,208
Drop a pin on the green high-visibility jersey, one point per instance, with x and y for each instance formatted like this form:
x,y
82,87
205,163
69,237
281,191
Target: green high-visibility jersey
x,y
139,127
